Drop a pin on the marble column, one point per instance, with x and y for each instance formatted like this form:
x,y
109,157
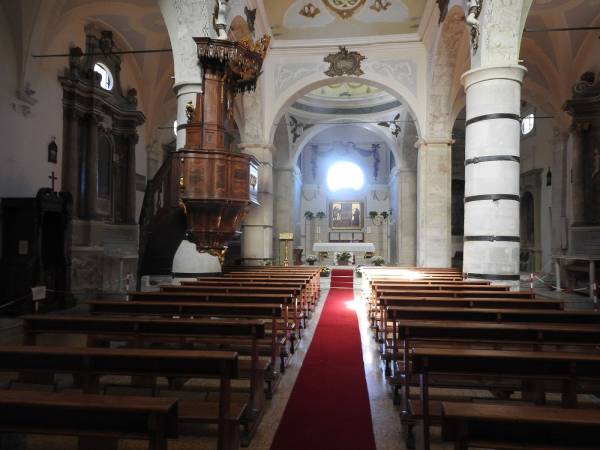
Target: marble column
x,y
492,173
92,167
407,217
286,196
257,230
131,181
71,159
434,180
186,19
577,178
185,92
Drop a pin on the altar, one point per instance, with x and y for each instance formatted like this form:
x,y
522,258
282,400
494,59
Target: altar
x,y
352,247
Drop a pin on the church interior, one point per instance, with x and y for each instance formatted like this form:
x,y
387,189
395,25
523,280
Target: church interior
x,y
300,224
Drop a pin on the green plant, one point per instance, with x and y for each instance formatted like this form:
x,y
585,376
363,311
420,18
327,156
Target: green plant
x,y
343,256
311,258
384,214
320,215
378,261
325,271
308,215
373,214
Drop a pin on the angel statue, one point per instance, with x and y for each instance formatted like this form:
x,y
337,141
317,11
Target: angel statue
x,y
220,19
473,12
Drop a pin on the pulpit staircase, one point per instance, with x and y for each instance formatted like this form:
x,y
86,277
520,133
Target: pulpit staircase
x,y
342,278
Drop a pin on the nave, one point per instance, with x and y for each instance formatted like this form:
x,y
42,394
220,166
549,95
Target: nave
x,y
515,357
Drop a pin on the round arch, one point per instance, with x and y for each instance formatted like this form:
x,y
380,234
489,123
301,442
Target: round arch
x,y
321,128
315,81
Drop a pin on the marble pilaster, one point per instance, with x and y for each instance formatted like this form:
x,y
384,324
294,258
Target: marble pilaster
x,y
406,228
257,229
92,167
434,179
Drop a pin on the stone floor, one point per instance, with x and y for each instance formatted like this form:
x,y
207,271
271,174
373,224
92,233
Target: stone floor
x,y
386,421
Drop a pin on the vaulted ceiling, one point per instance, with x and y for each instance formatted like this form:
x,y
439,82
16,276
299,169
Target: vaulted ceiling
x,y
310,19
556,59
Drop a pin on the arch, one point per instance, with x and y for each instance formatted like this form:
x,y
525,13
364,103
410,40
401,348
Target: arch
x,y
451,43
321,128
317,80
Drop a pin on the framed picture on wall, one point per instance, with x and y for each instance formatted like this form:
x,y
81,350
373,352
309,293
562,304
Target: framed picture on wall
x,y
346,215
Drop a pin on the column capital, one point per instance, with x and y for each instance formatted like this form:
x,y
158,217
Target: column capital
x,y
187,87
250,145
423,142
510,72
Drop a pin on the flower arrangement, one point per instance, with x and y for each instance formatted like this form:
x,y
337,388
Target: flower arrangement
x,y
311,259
378,261
320,215
343,258
325,271
309,215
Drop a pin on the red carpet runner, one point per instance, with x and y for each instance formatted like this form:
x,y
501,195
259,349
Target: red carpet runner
x,y
329,405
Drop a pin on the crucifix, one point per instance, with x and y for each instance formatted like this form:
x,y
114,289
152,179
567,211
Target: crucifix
x,y
53,178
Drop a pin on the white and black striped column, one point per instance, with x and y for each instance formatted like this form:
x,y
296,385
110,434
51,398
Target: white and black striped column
x,y
492,173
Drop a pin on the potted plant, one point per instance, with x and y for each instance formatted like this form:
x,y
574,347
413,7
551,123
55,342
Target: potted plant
x,y
311,259
320,215
378,261
385,214
343,258
358,272
373,214
309,215
325,271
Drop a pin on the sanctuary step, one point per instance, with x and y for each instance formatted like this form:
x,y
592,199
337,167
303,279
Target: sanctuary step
x,y
342,278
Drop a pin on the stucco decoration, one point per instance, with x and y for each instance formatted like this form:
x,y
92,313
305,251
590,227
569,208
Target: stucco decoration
x,y
288,74
220,18
344,8
473,12
344,63
403,71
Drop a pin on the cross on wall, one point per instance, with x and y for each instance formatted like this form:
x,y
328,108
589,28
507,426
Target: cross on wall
x,y
52,178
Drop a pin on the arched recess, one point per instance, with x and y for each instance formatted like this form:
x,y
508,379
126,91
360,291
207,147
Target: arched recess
x,y
317,80
451,60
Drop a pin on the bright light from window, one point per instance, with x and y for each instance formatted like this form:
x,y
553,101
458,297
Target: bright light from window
x,y
345,175
527,123
106,80
175,127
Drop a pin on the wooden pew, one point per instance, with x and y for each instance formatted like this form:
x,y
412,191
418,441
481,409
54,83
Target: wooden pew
x,y
379,317
565,367
140,331
90,416
271,312
92,363
291,330
295,291
518,427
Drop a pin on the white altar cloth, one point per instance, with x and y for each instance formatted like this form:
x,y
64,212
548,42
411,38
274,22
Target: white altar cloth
x,y
343,247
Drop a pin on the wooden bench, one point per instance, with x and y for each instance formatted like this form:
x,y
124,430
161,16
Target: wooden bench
x,y
236,289
384,302
140,331
92,363
568,369
292,326
519,427
90,417
271,312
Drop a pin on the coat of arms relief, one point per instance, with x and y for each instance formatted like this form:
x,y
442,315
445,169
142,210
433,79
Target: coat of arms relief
x,y
344,8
